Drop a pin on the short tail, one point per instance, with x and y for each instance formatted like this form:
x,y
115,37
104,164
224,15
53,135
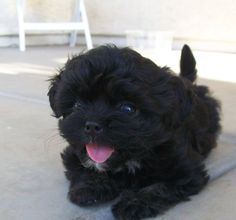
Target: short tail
x,y
188,64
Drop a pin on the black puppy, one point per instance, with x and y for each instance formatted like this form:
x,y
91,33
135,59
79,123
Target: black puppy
x,y
136,131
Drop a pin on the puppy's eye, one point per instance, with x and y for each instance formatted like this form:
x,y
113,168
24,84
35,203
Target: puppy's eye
x,y
127,108
77,105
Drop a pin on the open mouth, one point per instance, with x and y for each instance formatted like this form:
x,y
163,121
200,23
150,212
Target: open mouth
x,y
99,153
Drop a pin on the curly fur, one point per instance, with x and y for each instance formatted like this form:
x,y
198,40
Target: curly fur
x,y
159,149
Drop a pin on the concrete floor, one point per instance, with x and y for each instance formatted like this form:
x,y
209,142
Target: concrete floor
x,y
32,182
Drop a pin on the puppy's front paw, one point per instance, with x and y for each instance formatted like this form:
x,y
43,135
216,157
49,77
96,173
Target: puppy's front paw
x,y
132,208
83,196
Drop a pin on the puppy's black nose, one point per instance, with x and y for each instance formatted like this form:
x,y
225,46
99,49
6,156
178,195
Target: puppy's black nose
x,y
92,128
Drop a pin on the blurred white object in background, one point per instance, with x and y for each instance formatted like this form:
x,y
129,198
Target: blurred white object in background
x,y
156,45
79,23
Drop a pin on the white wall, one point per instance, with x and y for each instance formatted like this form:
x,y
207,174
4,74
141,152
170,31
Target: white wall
x,y
197,19
201,22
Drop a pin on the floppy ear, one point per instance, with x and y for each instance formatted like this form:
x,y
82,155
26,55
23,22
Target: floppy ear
x,y
54,84
188,64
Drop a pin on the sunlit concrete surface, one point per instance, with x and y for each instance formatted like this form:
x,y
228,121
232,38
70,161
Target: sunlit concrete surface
x,y
32,183
210,65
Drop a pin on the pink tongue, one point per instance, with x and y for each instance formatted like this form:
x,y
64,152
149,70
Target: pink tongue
x,y
99,153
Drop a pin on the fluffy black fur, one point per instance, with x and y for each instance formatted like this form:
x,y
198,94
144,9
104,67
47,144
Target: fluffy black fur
x,y
159,145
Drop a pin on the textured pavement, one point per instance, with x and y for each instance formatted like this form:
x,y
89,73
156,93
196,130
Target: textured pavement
x,y
32,183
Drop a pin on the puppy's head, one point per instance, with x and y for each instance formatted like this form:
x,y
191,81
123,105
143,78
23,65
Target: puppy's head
x,y
116,107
